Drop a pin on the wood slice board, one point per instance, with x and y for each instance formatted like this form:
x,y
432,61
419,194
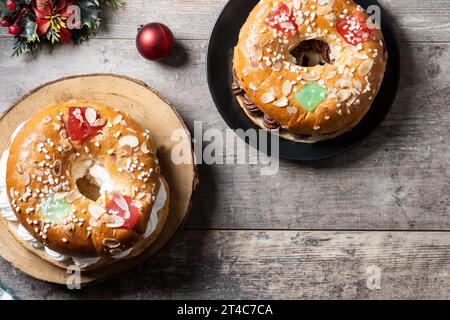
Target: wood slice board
x,y
151,112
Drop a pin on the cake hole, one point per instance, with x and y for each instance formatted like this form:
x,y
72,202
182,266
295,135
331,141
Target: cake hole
x,y
88,189
92,178
313,52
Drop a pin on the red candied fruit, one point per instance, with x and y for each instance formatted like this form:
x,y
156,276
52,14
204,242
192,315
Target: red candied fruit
x,y
123,207
79,128
282,19
354,28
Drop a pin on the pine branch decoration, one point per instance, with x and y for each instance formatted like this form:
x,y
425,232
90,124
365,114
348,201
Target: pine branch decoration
x,y
38,23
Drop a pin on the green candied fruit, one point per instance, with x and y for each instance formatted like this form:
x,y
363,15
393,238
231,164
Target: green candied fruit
x,y
55,208
311,95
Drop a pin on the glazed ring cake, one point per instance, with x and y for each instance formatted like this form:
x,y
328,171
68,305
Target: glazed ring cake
x,y
83,185
308,69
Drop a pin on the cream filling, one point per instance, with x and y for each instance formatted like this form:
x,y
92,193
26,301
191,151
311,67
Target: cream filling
x,y
97,172
157,206
102,177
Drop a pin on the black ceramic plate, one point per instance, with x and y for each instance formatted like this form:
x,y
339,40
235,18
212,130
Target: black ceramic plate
x,y
219,65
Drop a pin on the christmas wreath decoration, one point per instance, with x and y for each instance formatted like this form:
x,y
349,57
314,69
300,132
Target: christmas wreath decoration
x,y
37,23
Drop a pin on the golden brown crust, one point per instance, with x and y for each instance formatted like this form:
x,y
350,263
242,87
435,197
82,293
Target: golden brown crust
x,y
140,247
286,134
43,160
263,64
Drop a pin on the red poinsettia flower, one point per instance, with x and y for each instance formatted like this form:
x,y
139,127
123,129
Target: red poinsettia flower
x,y
48,17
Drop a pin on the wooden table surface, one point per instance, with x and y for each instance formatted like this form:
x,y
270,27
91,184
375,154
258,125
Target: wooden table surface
x,y
315,230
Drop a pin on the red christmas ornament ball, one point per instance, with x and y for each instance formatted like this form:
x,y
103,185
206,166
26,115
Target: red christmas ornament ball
x,y
5,23
14,30
11,5
154,41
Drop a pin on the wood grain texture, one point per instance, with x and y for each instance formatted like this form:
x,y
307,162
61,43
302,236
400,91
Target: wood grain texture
x,y
274,265
417,20
397,179
151,112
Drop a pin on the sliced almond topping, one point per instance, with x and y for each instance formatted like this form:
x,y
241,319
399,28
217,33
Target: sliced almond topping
x,y
105,219
277,66
57,126
57,168
258,53
357,84
77,114
93,222
332,95
352,99
343,95
19,169
331,16
324,10
300,19
72,196
26,178
344,83
282,102
63,134
310,77
60,195
291,110
132,141
118,222
125,151
90,115
70,228
264,43
140,196
99,122
127,214
297,4
267,97
287,88
115,252
147,198
255,64
121,202
117,119
111,243
252,87
144,148
331,75
361,56
365,67
96,211
66,145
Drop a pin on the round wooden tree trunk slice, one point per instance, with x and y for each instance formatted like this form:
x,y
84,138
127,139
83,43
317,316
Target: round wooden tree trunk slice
x,y
151,112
